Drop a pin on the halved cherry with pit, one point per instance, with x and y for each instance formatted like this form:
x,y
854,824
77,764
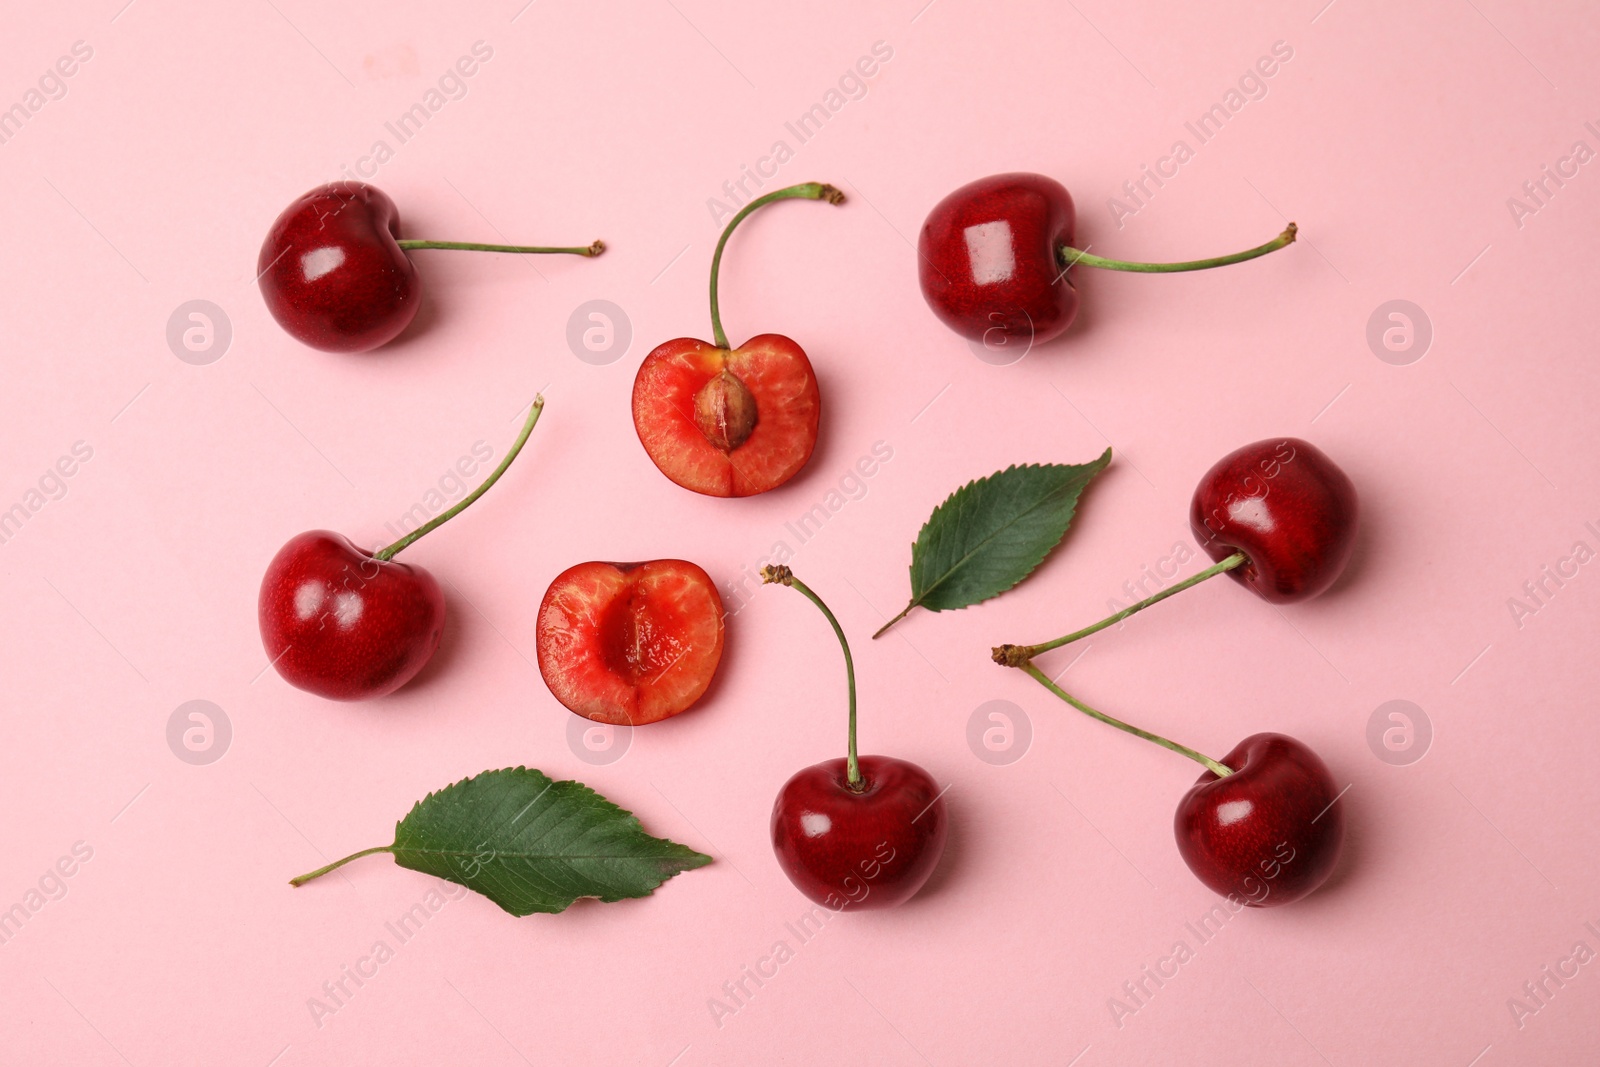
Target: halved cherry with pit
x,y
727,421
630,643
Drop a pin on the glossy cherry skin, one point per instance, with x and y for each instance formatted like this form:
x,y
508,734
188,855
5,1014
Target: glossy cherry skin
x,y
338,623
989,263
1286,506
332,272
869,849
1270,832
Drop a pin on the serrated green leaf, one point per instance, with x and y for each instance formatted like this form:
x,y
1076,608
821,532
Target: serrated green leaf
x,y
530,843
991,533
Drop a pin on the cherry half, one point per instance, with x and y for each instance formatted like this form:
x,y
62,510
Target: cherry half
x,y
994,256
1279,515
348,624
630,643
856,832
335,274
729,421
1261,826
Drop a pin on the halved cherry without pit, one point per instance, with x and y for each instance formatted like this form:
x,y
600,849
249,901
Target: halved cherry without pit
x,y
630,643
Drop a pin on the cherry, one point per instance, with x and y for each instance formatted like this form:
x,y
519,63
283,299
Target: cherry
x,y
1287,507
348,624
340,623
630,643
856,832
1260,826
1277,515
993,259
1270,832
731,421
335,274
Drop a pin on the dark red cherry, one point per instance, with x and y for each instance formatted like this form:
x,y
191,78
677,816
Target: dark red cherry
x,y
987,259
1270,832
995,258
333,273
1287,507
348,624
867,848
338,623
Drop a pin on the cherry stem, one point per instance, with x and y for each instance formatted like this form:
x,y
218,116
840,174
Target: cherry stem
x,y
784,576
439,520
806,191
336,864
1018,655
1219,769
1070,257
473,246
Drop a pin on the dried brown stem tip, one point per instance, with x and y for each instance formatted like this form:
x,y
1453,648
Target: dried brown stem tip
x,y
596,248
1290,231
831,194
1010,655
779,575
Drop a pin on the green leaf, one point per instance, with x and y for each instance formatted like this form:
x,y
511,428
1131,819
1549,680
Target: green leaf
x,y
991,533
530,843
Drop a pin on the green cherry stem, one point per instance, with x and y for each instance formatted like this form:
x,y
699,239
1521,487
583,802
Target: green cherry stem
x,y
1071,257
336,864
1019,655
1221,770
784,576
473,246
806,191
439,520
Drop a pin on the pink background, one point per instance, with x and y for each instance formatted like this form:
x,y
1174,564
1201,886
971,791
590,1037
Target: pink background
x,y
1394,137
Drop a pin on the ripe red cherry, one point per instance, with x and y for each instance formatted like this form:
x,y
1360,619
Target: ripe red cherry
x,y
1270,832
872,847
1259,825
728,421
630,643
1287,507
994,255
859,832
338,623
335,273
987,259
1278,515
348,624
